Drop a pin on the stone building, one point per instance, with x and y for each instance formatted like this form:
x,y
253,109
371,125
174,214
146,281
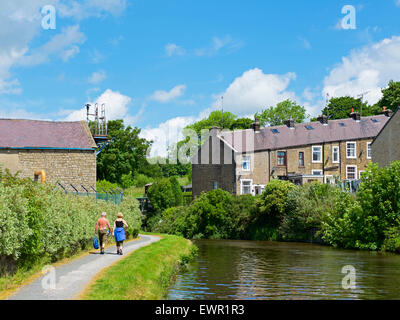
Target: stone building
x,y
386,145
325,151
65,151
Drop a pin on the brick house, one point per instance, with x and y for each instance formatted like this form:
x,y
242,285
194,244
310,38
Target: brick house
x,y
386,145
245,161
65,151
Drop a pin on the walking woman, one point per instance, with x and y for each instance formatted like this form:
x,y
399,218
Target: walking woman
x,y
102,225
119,232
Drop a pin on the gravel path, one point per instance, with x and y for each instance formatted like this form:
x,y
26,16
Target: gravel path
x,y
72,279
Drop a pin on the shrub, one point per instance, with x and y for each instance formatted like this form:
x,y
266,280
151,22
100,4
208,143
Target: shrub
x,y
273,202
40,222
106,185
306,208
140,180
177,191
161,195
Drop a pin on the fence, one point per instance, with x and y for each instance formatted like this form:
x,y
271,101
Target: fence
x,y
113,196
351,186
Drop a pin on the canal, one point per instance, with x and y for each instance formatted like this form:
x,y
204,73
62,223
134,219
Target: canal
x,y
230,270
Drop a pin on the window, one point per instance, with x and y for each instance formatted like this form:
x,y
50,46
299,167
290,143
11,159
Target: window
x,y
317,154
246,163
281,158
342,124
317,172
335,155
369,151
351,172
351,150
275,131
215,185
309,128
246,186
301,159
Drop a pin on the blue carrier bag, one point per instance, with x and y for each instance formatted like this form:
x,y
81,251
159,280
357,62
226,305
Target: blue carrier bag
x,y
95,242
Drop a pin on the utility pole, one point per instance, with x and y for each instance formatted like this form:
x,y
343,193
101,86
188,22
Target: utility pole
x,y
222,113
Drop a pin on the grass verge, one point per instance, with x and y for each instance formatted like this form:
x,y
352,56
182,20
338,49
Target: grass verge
x,y
11,283
145,274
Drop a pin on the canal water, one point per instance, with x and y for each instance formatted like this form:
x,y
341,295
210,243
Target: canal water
x,y
230,270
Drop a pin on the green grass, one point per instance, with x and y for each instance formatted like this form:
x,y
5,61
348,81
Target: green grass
x,y
145,274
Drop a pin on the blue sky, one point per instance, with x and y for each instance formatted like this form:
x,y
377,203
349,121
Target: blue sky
x,y
163,64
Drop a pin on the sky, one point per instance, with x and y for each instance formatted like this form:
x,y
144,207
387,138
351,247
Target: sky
x,y
161,65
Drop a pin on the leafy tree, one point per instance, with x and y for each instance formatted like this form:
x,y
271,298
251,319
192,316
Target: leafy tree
x,y
125,155
391,96
275,116
177,191
161,195
339,108
241,123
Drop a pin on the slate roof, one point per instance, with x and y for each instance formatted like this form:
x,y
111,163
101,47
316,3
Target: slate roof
x,y
33,134
282,137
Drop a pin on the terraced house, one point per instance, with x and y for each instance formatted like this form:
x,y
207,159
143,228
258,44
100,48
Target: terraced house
x,y
245,161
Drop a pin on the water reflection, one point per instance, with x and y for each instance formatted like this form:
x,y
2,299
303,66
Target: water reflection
x,y
269,270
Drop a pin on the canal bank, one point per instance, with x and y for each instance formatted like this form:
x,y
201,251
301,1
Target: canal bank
x,y
227,270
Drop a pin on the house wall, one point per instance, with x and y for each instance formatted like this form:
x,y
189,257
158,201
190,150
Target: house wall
x,y
214,163
386,147
67,167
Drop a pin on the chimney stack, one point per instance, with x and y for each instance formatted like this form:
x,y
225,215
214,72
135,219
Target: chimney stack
x,y
256,125
323,119
387,112
290,123
355,115
214,131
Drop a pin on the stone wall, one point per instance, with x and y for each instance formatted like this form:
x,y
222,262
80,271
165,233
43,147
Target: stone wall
x,y
386,147
67,167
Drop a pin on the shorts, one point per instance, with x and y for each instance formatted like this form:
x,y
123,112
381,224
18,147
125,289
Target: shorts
x,y
103,237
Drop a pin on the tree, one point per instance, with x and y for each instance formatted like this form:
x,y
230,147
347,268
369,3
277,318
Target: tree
x,y
391,96
275,116
125,155
339,108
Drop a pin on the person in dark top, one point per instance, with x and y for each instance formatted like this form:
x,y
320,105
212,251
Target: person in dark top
x,y
119,232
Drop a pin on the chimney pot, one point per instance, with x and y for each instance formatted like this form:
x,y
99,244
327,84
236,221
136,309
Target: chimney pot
x,y
387,112
215,131
256,125
355,116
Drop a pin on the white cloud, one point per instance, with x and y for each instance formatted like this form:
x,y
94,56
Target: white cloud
x,y
97,77
366,69
166,134
20,24
63,45
172,49
117,107
255,90
166,96
90,8
219,44
305,43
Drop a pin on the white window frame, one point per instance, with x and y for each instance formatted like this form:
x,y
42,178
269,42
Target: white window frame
x,y
355,150
369,156
317,175
347,172
333,154
241,186
248,160
312,154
